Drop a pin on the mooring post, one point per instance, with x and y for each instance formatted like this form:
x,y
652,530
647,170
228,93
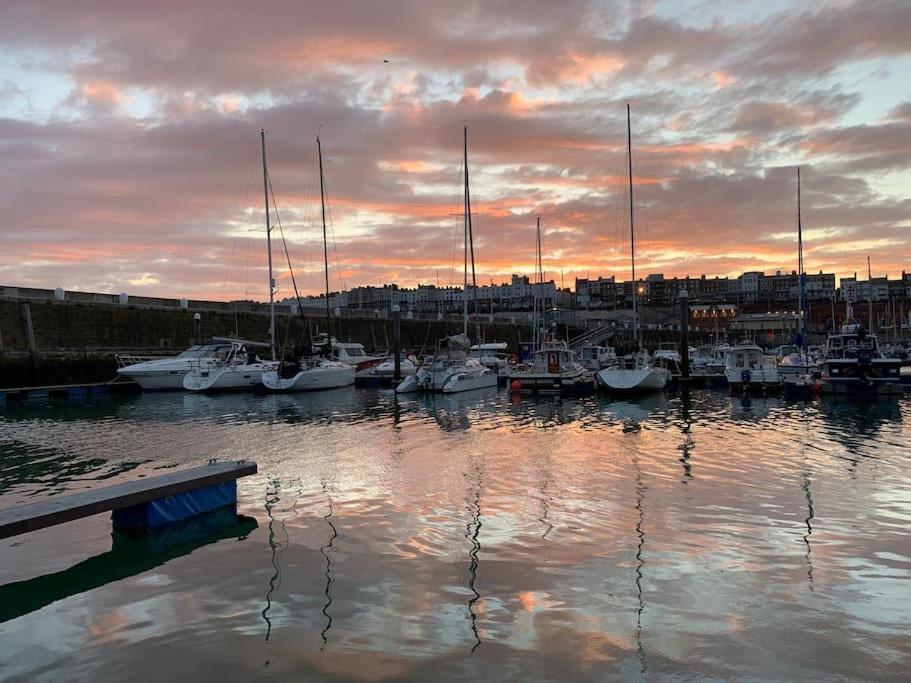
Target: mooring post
x,y
684,335
396,342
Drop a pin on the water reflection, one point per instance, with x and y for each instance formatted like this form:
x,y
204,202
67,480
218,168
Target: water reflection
x,y
273,489
640,560
766,558
472,532
130,555
324,550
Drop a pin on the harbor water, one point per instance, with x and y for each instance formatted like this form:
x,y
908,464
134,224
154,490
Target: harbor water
x,y
470,537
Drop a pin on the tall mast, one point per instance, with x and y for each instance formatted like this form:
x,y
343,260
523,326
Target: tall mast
x,y
465,236
474,279
322,199
870,290
262,137
801,275
632,231
535,279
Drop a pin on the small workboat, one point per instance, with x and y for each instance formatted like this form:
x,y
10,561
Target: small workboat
x,y
553,369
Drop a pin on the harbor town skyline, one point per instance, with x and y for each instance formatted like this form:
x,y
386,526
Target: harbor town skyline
x,y
131,144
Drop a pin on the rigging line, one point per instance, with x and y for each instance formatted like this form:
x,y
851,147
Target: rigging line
x,y
325,552
338,266
243,208
454,230
281,232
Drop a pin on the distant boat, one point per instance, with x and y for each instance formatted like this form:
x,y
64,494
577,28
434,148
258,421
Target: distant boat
x,y
639,373
310,373
854,364
594,358
747,368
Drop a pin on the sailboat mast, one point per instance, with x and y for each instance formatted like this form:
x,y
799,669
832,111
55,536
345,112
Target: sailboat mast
x,y
535,280
632,231
262,137
322,198
474,279
801,275
465,236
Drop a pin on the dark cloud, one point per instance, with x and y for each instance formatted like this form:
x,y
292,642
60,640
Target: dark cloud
x,y
99,195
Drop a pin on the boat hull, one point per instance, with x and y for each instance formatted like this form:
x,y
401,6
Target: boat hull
x,y
551,383
460,382
311,379
633,380
163,380
229,378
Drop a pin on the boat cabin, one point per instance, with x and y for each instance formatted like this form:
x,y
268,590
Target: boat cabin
x,y
745,357
849,345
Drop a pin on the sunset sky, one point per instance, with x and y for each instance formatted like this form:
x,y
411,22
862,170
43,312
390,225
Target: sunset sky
x,y
129,138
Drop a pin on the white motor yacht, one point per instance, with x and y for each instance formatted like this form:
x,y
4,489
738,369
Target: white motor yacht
x,y
168,373
239,368
747,368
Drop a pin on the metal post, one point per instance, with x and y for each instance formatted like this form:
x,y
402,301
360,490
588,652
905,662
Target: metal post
x,y
396,339
197,328
684,335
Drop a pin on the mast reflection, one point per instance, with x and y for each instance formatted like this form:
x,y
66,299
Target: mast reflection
x,y
472,531
640,561
273,488
325,552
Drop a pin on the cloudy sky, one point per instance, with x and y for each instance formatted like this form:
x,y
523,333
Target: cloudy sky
x,y
129,138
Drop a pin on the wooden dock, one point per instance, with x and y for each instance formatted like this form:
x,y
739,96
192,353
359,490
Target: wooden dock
x,y
69,391
53,511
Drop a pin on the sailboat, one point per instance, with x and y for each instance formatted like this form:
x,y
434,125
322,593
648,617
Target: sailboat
x,y
795,362
309,373
240,368
636,374
453,369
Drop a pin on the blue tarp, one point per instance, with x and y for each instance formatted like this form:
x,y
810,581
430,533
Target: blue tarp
x,y
175,508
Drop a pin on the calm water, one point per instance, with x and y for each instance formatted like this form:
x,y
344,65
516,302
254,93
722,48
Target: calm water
x,y
466,537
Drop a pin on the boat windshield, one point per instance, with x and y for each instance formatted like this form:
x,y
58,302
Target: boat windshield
x,y
201,351
354,351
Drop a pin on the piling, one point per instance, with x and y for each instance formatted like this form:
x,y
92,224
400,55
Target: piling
x,y
396,343
684,336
